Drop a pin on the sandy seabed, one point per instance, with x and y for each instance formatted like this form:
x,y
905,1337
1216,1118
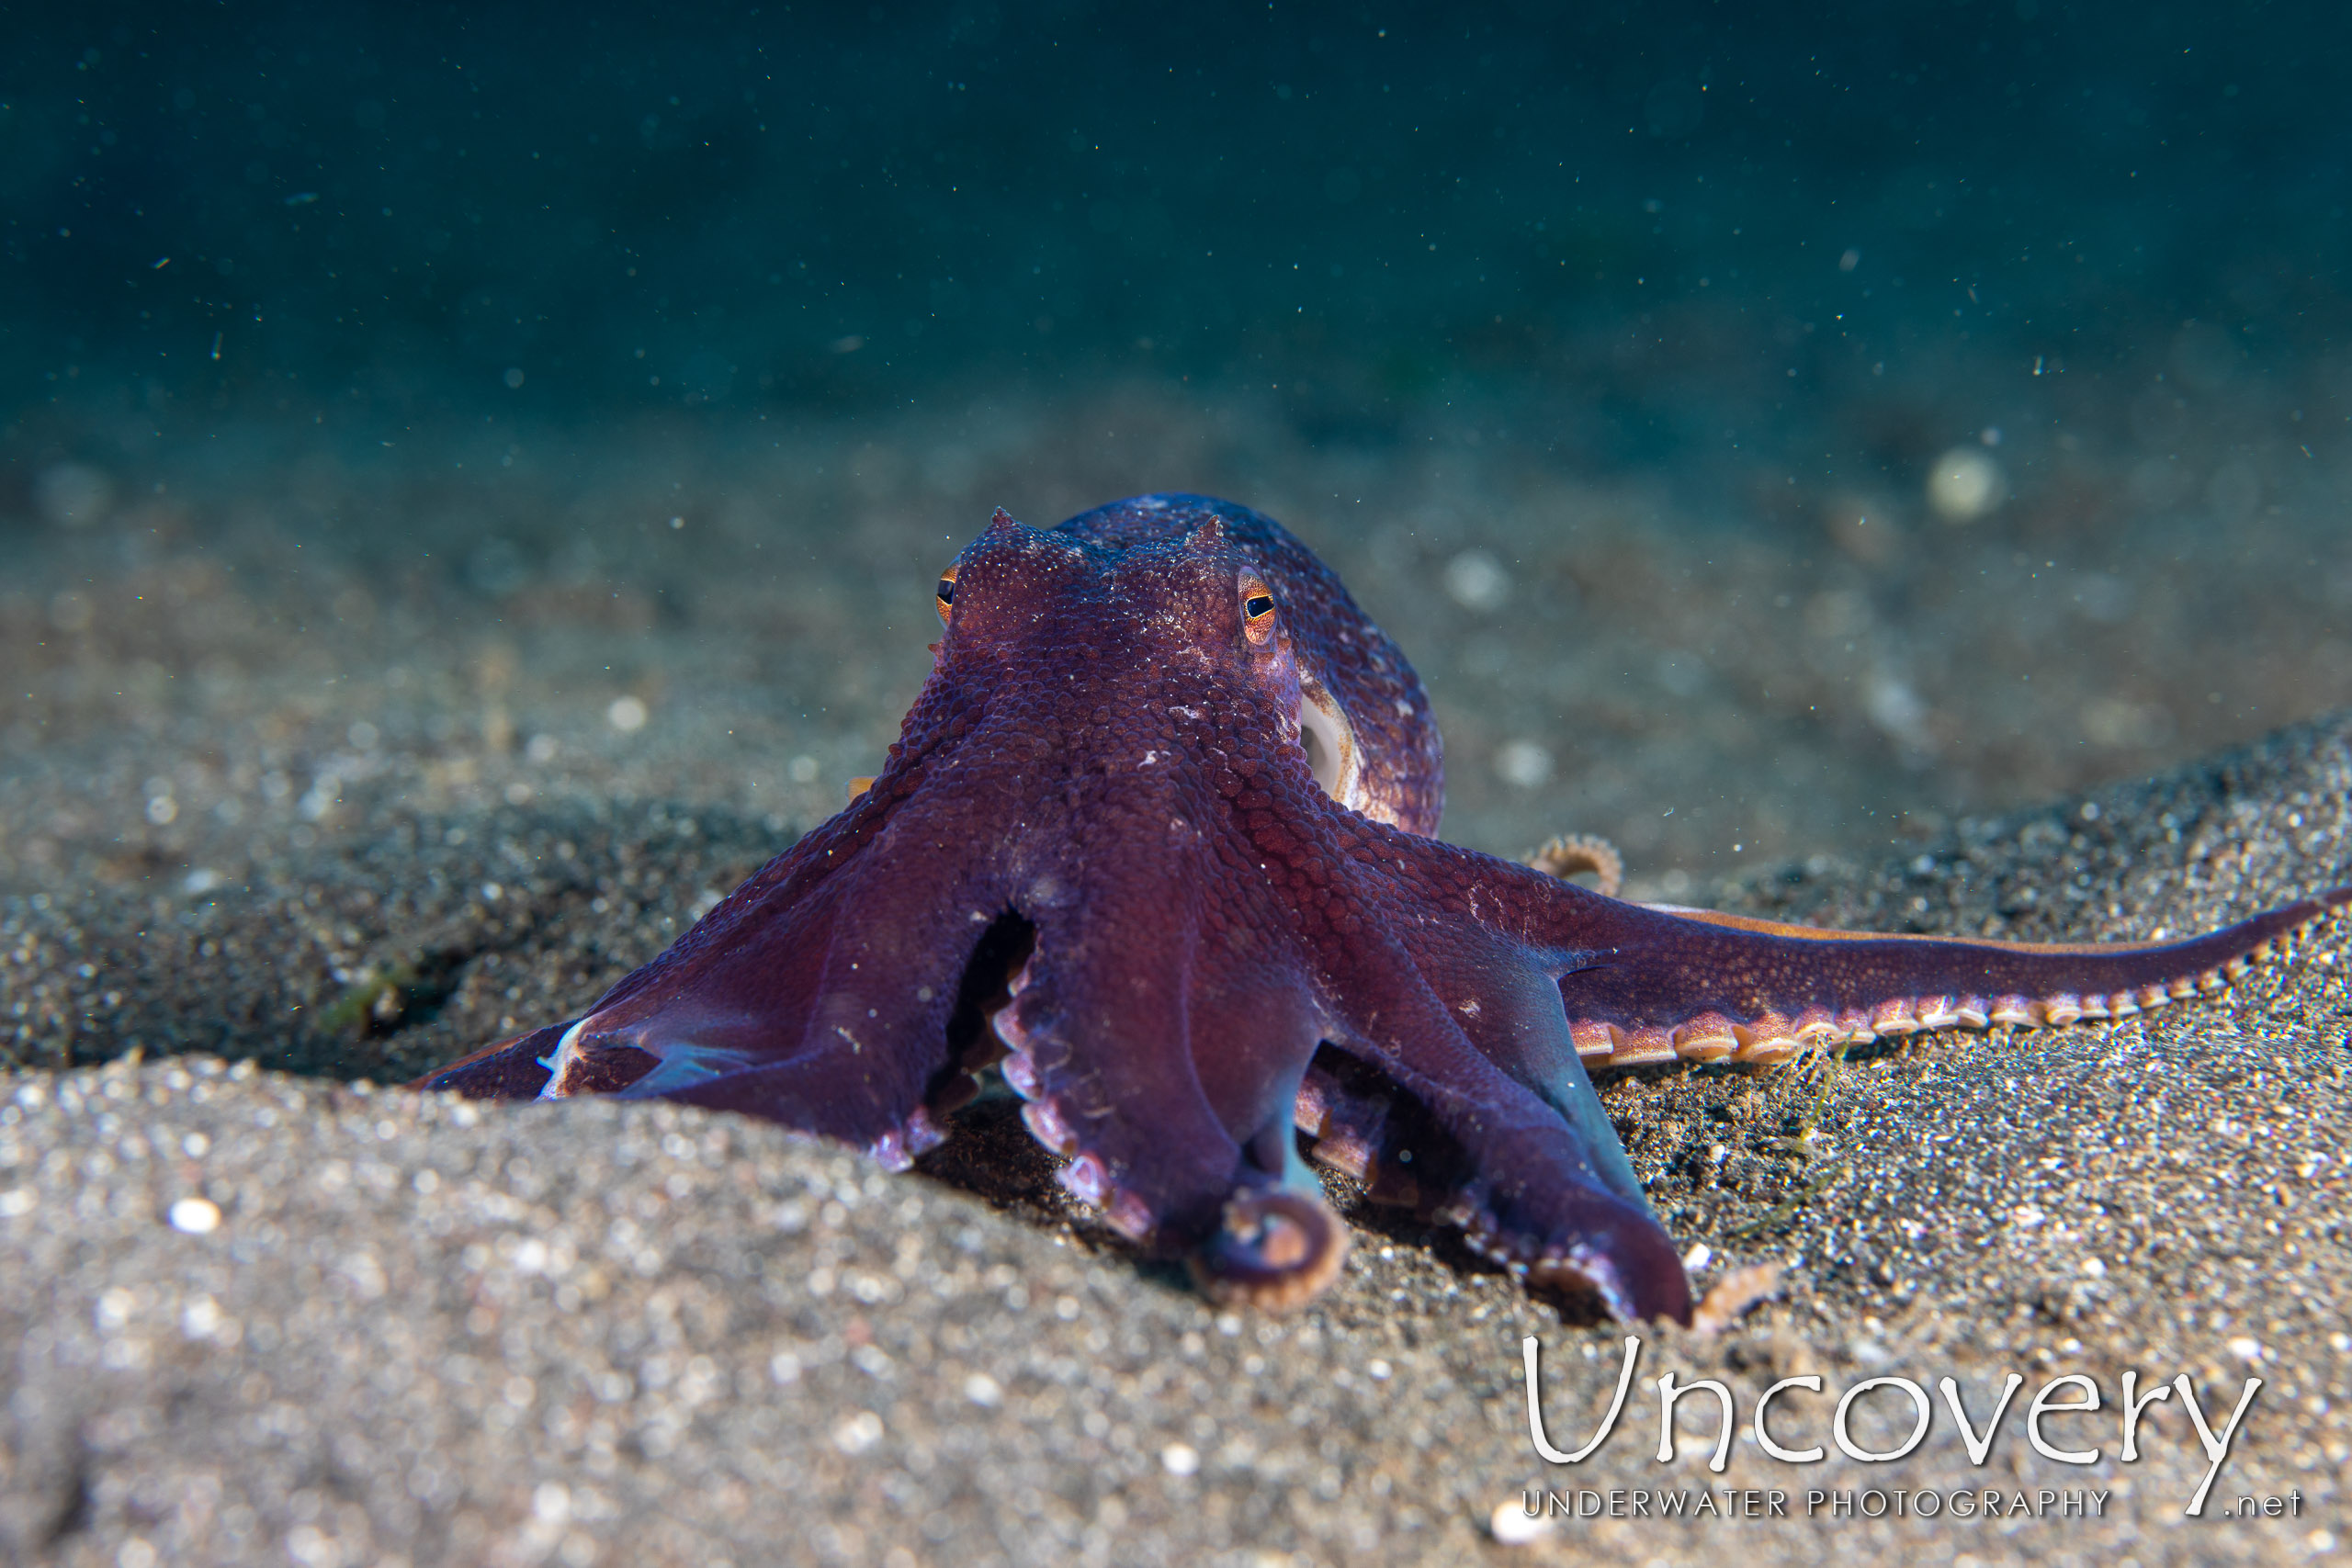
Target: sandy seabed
x,y
347,815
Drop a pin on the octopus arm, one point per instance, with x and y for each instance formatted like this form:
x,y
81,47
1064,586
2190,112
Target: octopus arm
x,y
817,995
1653,984
1496,1128
1159,1038
513,1068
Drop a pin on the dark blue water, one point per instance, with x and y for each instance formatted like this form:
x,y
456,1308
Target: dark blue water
x,y
1897,408
1650,215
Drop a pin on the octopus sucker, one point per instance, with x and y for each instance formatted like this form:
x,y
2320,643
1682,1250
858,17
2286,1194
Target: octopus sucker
x,y
900,1148
1709,1037
1020,1075
1893,1016
1129,1215
1087,1179
2013,1012
1157,842
1594,1041
1272,1250
1046,1125
1943,1012
1771,1051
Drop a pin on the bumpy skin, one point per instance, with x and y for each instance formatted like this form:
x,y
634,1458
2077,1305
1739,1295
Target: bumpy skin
x,y
1109,748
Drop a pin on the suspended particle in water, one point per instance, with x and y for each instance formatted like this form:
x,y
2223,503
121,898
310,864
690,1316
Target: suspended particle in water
x,y
1965,484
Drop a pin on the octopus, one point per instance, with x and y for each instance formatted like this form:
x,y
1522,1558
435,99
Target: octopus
x,y
1156,848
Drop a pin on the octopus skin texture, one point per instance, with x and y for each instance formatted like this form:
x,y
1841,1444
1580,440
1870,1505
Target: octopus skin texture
x,y
1156,843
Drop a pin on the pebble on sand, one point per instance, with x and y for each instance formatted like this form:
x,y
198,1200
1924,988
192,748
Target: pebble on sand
x,y
196,1217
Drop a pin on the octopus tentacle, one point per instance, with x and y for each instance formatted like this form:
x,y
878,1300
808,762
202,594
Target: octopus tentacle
x,y
1565,855
1275,1248
1661,984
834,1021
515,1068
1468,1025
523,1067
1533,979
817,995
1211,1038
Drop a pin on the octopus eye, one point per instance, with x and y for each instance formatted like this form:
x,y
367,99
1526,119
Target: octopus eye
x,y
946,592
1258,615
